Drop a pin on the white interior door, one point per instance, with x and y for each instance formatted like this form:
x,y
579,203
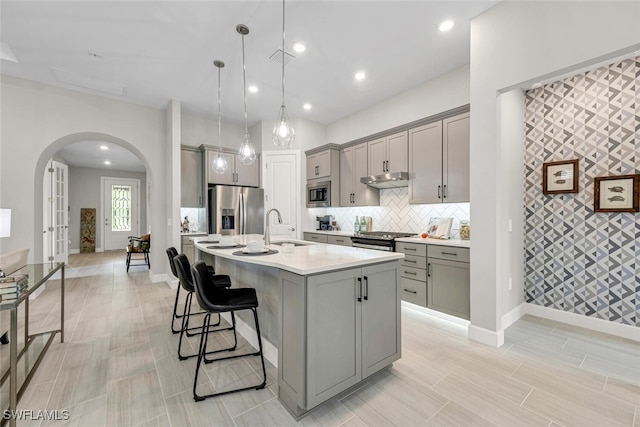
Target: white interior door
x,y
56,213
120,211
281,182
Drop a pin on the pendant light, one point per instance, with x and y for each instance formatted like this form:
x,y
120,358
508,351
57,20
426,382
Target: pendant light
x,y
246,152
219,162
283,133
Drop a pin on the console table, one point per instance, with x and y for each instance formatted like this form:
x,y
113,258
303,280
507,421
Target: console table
x,y
35,346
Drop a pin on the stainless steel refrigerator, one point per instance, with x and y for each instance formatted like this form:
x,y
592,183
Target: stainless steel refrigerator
x,y
235,210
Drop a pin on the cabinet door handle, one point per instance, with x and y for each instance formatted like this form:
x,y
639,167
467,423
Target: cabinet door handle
x,y
429,269
387,165
317,170
359,289
410,249
439,194
410,291
412,261
340,240
444,191
366,288
384,166
449,253
413,273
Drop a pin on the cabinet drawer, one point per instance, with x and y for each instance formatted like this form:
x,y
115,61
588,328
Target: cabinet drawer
x,y
448,252
414,261
411,248
339,240
413,273
314,237
413,291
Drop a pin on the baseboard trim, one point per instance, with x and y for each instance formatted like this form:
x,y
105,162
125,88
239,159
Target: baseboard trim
x,y
74,251
513,316
594,324
486,336
155,278
269,350
434,313
173,283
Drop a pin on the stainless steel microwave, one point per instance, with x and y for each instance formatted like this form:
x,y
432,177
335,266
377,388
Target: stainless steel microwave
x,y
319,194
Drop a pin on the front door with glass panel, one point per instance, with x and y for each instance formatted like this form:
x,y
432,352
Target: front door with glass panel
x,y
120,214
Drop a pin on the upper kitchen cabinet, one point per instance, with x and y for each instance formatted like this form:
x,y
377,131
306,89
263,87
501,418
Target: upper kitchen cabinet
x,y
388,154
439,161
191,177
237,173
323,162
353,166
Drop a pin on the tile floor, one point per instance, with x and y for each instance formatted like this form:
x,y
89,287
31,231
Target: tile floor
x,y
118,367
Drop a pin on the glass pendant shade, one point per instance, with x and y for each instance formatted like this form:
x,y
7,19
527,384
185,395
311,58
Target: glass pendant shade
x,y
283,133
219,163
246,152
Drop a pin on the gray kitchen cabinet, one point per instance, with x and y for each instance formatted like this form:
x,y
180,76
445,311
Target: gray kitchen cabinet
x,y
315,237
324,163
339,240
188,248
353,166
237,173
448,282
413,273
388,154
191,177
353,328
439,161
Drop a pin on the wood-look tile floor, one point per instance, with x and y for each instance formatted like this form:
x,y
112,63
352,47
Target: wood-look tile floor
x,y
118,367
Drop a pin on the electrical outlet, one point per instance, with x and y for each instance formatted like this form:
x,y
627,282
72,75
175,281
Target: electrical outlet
x,y
510,226
510,283
169,222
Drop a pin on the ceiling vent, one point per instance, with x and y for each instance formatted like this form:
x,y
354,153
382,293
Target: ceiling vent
x,y
277,57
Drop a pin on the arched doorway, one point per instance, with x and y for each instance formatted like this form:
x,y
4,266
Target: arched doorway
x,y
42,166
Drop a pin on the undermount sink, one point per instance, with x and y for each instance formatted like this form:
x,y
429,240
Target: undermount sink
x,y
287,241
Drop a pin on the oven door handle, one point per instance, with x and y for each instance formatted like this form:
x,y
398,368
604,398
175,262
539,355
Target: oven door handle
x,y
375,247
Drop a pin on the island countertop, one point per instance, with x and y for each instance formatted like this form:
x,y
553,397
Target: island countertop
x,y
312,258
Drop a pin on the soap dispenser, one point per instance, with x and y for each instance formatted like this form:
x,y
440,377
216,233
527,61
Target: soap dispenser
x,y
356,226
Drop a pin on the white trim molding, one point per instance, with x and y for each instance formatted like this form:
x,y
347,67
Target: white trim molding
x,y
486,336
513,316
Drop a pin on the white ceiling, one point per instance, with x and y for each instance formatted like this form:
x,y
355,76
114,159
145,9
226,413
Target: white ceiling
x,y
88,154
150,52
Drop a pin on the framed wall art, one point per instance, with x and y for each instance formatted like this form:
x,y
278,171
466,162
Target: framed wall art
x,y
560,177
617,193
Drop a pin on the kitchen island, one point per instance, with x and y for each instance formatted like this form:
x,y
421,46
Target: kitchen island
x,y
329,315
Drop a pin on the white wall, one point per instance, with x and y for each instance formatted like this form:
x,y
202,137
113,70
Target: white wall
x,y
84,192
38,120
448,91
197,130
514,44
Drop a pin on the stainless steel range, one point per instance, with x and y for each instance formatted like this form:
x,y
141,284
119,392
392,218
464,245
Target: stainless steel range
x,y
379,240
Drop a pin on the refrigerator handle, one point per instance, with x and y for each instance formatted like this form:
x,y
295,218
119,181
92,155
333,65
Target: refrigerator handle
x,y
243,216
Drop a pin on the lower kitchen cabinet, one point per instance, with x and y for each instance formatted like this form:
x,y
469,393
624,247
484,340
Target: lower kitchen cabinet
x,y
315,237
339,240
337,329
188,248
448,282
413,273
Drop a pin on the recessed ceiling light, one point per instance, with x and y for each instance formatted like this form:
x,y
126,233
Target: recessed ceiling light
x,y
307,106
104,147
446,26
299,47
360,75
107,162
253,89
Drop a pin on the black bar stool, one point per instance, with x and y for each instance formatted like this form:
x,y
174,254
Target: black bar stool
x,y
183,269
214,299
221,280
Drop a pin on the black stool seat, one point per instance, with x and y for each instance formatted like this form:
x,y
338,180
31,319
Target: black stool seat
x,y
215,299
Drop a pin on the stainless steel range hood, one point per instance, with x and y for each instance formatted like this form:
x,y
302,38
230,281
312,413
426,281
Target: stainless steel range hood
x,y
387,180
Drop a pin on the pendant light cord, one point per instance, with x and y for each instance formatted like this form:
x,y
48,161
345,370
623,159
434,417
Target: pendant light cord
x,y
244,88
283,52
219,116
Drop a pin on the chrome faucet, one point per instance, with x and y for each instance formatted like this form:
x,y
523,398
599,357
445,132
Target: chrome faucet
x,y
267,239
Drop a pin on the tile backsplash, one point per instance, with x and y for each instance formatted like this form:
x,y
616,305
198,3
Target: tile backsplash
x,y
197,218
396,214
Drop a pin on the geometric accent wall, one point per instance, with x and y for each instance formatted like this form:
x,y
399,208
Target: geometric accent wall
x,y
577,260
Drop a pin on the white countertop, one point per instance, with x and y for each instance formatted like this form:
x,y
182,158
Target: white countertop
x,y
428,241
312,258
